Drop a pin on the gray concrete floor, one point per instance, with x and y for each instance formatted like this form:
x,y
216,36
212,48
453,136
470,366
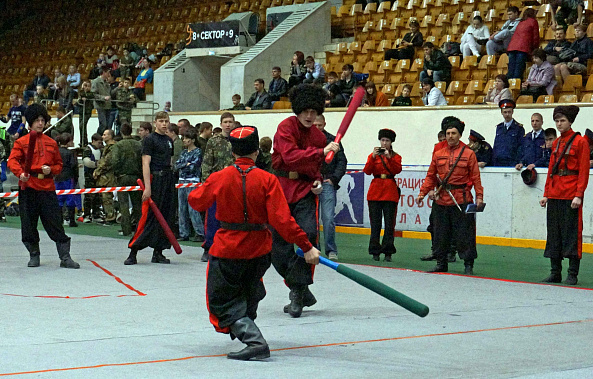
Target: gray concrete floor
x,y
477,328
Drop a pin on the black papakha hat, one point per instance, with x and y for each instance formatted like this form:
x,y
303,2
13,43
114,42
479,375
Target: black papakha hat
x,y
457,124
244,140
570,111
307,96
33,112
387,133
529,176
447,120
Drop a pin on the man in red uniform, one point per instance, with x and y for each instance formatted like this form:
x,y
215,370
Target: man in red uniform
x,y
568,176
299,150
240,254
453,170
383,195
38,198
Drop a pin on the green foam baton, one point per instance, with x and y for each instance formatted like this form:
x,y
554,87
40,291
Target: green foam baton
x,y
376,286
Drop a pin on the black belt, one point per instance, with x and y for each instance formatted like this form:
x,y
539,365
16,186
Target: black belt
x,y
567,173
243,227
384,176
161,172
41,175
449,187
293,175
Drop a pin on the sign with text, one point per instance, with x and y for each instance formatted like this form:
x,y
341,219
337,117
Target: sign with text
x,y
212,34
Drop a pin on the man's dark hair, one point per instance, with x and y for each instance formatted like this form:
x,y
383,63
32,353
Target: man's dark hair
x,y
174,128
185,122
309,59
63,139
276,68
513,9
265,144
260,81
550,132
428,45
479,18
332,74
96,137
191,134
348,66
110,131
218,129
226,115
105,69
428,81
441,134
205,126
146,126
125,129
236,96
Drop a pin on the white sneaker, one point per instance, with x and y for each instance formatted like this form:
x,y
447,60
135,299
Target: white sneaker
x,y
66,223
332,256
86,220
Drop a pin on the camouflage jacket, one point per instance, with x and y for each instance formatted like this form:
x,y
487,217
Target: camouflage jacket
x,y
126,95
88,103
126,157
65,126
217,155
104,170
38,99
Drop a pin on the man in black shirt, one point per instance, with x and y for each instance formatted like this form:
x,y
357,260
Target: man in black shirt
x,y
157,150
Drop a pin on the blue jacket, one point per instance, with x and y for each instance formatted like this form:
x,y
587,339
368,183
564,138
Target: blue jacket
x,y
506,151
532,149
544,159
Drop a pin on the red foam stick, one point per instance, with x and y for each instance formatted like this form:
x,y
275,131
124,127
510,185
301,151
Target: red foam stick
x,y
162,221
354,104
29,157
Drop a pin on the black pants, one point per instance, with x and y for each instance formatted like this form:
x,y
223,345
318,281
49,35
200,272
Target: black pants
x,y
124,199
535,92
149,232
92,201
405,53
234,288
35,205
565,227
453,226
379,211
294,269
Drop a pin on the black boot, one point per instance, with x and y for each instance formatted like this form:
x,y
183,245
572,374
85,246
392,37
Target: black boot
x,y
158,257
469,267
429,257
296,296
308,299
451,256
442,265
64,253
555,272
33,249
72,217
248,333
573,271
132,258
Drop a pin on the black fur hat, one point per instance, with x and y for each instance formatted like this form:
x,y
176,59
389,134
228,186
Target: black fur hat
x,y
33,112
387,133
457,124
570,111
447,120
307,96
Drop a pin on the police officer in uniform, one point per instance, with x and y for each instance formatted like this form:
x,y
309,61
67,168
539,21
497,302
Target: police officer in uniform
x,y
533,144
481,148
509,134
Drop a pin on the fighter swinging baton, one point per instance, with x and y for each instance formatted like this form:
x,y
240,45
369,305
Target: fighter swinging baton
x,y
375,286
354,104
162,221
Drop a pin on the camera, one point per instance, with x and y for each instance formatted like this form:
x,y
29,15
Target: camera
x,y
381,151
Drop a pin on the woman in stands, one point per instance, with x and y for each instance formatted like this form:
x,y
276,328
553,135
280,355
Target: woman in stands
x,y
383,194
475,35
541,76
407,47
298,70
524,41
500,91
374,98
64,94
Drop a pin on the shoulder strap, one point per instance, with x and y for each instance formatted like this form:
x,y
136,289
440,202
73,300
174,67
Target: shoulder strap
x,y
243,179
454,165
385,165
564,150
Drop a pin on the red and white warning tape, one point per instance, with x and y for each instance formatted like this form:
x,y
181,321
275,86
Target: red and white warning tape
x,y
97,190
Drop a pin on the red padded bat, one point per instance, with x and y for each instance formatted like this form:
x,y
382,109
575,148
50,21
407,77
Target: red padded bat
x,y
162,221
29,157
354,104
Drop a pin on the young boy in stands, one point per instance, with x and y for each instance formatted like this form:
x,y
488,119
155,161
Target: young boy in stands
x,y
159,182
404,99
240,254
568,176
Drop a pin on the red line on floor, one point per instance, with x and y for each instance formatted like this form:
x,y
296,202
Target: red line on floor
x,y
475,277
117,279
302,347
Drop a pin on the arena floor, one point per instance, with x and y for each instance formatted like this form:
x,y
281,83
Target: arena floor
x,y
150,321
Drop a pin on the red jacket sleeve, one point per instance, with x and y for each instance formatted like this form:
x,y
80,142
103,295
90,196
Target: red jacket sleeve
x,y
583,179
535,37
17,155
369,166
202,197
475,176
305,160
550,165
430,181
57,165
395,164
280,218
